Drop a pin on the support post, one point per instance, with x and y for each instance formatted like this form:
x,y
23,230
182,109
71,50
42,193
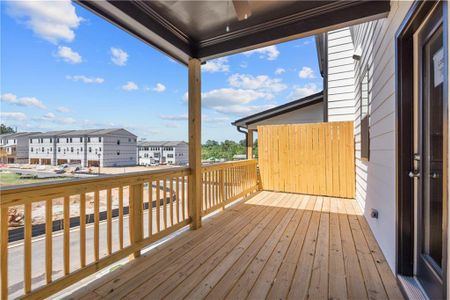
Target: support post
x,y
250,144
195,117
136,215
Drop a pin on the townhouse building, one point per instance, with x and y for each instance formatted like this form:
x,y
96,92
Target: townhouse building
x,y
14,147
160,152
93,147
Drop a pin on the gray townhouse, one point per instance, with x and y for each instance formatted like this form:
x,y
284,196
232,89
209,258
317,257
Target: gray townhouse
x,y
14,147
160,152
89,148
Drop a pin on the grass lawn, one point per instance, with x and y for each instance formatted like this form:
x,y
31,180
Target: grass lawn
x,y
14,179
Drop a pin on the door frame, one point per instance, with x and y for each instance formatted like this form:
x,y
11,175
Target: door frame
x,y
405,206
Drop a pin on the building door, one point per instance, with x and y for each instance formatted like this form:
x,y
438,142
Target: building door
x,y
429,159
422,153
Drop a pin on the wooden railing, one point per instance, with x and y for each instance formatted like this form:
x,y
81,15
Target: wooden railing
x,y
226,182
105,219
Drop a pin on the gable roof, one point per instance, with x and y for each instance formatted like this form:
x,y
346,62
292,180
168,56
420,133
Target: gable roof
x,y
83,132
160,143
279,110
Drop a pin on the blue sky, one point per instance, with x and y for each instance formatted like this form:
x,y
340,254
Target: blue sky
x,y
63,67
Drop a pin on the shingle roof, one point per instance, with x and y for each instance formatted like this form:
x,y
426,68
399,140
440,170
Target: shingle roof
x,y
160,143
16,134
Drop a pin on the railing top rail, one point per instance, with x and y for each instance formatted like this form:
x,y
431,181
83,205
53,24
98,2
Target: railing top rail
x,y
229,164
56,189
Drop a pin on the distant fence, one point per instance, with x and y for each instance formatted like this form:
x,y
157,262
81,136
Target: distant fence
x,y
315,158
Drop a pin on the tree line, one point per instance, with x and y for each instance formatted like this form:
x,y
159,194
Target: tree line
x,y
213,150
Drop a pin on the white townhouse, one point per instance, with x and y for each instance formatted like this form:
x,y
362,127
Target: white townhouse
x,y
92,147
157,152
14,147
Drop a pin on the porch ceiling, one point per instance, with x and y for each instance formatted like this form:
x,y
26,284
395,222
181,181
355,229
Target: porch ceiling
x,y
196,29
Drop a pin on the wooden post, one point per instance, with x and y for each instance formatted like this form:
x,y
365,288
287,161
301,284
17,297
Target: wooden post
x,y
136,215
250,144
4,252
195,117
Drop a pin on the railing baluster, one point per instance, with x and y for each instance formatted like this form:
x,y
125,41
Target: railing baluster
x,y
109,220
165,202
48,240
66,235
158,205
150,207
183,194
177,191
96,225
121,217
4,250
27,248
171,200
82,230
211,204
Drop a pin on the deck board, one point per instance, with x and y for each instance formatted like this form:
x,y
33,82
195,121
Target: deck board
x,y
273,246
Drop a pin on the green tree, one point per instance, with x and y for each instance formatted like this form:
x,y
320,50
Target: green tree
x,y
6,129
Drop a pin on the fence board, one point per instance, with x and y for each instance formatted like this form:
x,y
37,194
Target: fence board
x,y
313,159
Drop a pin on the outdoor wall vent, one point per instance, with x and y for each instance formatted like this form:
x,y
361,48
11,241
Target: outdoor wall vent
x,y
357,54
374,213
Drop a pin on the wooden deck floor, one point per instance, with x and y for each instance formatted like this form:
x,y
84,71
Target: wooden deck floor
x,y
272,246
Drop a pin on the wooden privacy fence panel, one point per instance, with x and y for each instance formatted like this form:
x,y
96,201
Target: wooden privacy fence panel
x,y
315,159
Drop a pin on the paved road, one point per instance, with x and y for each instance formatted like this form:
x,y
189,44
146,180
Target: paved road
x,y
15,259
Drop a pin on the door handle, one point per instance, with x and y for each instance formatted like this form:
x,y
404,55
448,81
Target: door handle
x,y
414,174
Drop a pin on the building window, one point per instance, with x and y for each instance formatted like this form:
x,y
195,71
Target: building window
x,y
90,149
71,149
59,149
169,155
118,142
89,139
57,140
43,149
99,149
365,126
81,139
129,140
100,139
51,140
118,152
31,141
81,149
31,149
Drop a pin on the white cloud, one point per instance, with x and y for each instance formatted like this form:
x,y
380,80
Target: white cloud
x,y
118,56
208,119
174,117
230,96
63,109
50,20
279,71
269,52
261,83
159,87
85,79
22,101
68,55
303,91
48,116
171,125
130,86
306,72
14,116
216,65
241,110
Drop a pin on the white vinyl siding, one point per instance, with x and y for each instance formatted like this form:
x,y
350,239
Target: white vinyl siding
x,y
341,100
375,179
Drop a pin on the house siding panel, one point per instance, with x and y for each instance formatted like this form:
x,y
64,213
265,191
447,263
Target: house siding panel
x,y
375,179
340,76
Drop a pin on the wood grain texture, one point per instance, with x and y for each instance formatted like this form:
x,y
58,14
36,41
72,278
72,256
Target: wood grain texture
x,y
315,159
